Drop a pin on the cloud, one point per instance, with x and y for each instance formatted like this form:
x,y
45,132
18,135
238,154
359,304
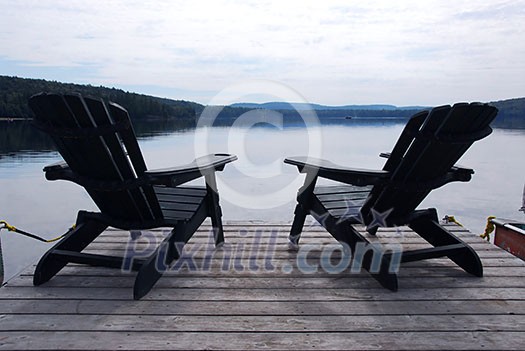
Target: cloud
x,y
332,51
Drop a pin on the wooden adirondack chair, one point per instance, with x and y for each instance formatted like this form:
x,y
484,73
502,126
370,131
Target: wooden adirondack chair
x,y
422,160
101,153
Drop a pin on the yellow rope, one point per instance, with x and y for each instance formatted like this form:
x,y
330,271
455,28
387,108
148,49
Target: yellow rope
x,y
489,228
7,226
451,219
12,228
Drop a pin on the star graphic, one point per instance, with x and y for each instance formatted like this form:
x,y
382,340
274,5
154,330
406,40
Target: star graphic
x,y
319,221
379,218
350,212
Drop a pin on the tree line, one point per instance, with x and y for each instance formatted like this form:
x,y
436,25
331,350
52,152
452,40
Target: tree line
x,y
15,93
511,113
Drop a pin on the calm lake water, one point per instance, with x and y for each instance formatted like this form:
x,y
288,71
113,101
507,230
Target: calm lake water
x,y
256,187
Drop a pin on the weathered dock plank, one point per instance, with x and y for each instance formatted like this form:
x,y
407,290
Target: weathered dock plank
x,y
134,340
250,294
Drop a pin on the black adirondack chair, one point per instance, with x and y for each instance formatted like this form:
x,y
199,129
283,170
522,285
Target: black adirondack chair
x,y
422,160
101,153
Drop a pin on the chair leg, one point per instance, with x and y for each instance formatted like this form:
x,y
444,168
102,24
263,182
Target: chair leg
x,y
218,231
426,224
386,278
366,255
216,221
153,267
76,240
297,226
149,272
304,199
214,209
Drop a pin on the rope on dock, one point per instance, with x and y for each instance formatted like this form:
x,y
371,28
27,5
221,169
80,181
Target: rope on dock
x,y
452,219
12,228
1,264
489,228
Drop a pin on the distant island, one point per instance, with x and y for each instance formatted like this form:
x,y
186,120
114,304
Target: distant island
x,y
511,112
15,92
304,106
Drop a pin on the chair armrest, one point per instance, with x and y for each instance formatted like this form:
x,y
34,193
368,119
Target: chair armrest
x,y
456,168
168,176
201,166
329,170
459,173
57,166
59,170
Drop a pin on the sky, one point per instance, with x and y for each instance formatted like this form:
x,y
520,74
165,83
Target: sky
x,y
332,52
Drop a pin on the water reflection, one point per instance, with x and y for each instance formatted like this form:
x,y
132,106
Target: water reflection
x,y
20,137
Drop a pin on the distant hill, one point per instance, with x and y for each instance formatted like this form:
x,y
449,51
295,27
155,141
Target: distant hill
x,y
334,114
511,112
15,92
304,106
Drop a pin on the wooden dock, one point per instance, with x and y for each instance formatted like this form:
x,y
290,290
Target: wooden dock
x,y
251,295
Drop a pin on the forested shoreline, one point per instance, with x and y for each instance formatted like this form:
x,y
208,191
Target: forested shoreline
x,y
15,92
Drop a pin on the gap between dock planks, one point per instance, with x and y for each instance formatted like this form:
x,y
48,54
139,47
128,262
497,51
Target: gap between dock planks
x,y
261,306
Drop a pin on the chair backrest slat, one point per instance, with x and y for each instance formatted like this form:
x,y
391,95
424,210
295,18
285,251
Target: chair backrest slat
x,y
99,157
419,156
421,163
132,148
113,142
52,110
405,139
